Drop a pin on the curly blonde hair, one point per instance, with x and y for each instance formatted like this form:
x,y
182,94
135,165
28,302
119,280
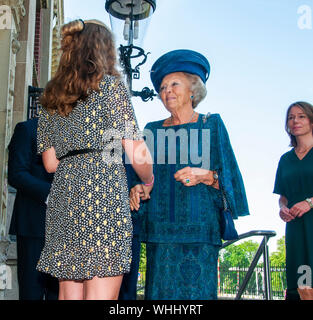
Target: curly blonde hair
x,y
88,53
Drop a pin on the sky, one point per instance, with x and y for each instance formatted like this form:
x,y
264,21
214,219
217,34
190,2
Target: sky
x,y
261,56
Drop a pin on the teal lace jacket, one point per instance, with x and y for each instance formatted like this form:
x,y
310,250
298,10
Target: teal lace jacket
x,y
179,214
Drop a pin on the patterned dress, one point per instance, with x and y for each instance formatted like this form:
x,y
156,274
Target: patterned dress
x,y
181,224
88,222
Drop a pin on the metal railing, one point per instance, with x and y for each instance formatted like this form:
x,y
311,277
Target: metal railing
x,y
33,101
263,249
230,278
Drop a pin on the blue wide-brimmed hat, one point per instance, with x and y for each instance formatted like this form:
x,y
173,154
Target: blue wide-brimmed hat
x,y
179,61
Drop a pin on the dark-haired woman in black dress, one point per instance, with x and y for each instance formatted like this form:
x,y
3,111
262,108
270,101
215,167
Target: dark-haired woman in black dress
x,y
294,184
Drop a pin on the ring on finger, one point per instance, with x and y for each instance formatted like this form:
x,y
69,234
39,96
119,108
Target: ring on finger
x,y
187,180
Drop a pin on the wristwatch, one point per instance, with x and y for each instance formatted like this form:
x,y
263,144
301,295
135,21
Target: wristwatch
x,y
309,201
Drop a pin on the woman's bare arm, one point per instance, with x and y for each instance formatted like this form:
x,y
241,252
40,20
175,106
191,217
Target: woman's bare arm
x,y
140,158
50,160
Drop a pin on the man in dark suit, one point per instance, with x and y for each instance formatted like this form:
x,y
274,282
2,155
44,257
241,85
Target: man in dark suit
x,y
28,176
128,289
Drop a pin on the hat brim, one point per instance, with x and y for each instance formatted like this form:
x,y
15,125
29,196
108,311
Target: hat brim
x,y
179,61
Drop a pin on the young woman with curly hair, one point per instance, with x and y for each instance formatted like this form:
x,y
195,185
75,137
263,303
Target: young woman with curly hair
x,y
86,119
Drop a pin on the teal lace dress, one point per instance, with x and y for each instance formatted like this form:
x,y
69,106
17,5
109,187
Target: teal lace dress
x,y
181,224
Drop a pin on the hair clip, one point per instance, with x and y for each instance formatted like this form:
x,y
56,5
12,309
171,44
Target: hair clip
x,y
82,21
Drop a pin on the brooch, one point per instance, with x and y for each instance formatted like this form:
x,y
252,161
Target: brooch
x,y
206,117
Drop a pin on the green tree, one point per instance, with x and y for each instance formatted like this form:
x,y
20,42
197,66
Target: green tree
x,y
278,258
239,255
278,265
143,257
232,259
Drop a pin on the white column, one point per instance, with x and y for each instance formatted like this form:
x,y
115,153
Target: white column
x,y
11,11
24,62
9,46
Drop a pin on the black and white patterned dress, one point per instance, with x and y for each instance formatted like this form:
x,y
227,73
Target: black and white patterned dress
x,y
88,222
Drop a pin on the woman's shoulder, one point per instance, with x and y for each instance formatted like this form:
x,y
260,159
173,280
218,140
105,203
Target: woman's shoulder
x,y
286,158
210,119
110,80
155,124
113,84
287,155
45,115
209,115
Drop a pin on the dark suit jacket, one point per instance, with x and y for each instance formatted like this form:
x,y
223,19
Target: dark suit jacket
x,y
130,173
28,176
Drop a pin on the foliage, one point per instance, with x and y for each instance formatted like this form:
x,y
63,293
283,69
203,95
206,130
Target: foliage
x,y
235,260
238,255
143,258
278,258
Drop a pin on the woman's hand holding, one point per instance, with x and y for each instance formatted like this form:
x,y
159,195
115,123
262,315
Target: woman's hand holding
x,y
285,214
137,193
299,209
192,176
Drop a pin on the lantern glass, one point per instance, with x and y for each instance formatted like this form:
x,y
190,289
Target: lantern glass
x,y
130,19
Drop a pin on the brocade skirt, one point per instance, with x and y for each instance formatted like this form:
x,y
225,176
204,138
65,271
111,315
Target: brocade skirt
x,y
181,271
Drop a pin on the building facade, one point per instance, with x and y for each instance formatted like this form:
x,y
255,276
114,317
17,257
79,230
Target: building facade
x,y
29,47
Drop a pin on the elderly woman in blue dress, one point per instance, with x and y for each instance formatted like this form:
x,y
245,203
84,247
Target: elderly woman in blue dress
x,y
193,162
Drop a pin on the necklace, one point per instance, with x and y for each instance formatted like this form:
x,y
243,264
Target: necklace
x,y
307,149
185,122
